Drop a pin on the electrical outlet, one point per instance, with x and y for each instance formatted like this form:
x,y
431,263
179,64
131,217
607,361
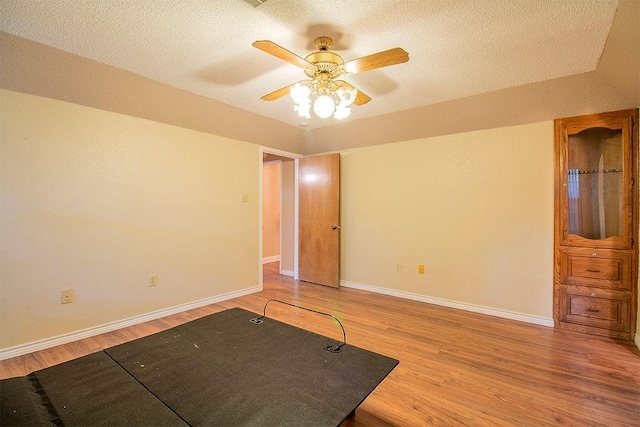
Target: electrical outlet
x,y
67,296
420,268
398,266
153,280
244,198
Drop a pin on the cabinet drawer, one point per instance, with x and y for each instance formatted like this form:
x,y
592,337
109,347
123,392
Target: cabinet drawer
x,y
596,267
600,308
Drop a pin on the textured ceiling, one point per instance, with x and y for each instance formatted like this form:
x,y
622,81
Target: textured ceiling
x,y
457,48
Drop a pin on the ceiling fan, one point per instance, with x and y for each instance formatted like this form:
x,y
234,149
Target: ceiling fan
x,y
327,95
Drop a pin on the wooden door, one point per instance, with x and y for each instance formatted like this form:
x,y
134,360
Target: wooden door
x,y
319,219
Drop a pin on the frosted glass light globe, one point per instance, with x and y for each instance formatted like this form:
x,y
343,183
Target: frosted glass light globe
x,y
324,106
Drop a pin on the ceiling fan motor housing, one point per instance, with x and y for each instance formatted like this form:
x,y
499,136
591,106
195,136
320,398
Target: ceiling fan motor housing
x,y
324,61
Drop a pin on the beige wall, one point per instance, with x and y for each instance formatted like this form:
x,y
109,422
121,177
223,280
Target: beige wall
x,y
476,208
97,201
271,211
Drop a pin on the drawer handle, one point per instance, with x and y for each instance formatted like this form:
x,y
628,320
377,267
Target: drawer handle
x,y
592,310
593,270
593,295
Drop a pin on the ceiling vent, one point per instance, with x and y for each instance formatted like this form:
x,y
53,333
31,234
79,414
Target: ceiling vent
x,y
255,3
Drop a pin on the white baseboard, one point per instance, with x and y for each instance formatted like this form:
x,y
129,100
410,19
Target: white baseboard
x,y
286,273
537,320
19,350
637,340
268,259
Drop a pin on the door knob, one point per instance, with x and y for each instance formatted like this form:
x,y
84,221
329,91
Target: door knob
x,y
335,227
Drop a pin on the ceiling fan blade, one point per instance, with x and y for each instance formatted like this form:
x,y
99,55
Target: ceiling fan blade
x,y
377,60
361,97
282,53
277,94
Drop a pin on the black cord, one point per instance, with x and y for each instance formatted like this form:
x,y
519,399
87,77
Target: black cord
x,y
336,349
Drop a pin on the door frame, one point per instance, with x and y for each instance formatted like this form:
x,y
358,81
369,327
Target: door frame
x,y
268,150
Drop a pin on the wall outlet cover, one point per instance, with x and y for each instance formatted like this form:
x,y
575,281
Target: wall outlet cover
x,y
153,280
67,296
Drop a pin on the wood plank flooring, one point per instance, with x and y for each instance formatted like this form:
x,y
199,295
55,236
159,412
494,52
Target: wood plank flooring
x,y
456,368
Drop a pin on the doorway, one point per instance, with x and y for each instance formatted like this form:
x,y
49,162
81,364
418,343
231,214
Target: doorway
x,y
278,212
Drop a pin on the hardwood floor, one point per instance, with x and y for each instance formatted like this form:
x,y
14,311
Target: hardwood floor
x,y
456,367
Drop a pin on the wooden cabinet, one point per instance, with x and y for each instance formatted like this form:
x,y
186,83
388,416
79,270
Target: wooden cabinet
x,y
596,223
603,268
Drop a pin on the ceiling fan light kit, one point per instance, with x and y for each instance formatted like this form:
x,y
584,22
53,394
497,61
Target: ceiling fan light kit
x,y
326,95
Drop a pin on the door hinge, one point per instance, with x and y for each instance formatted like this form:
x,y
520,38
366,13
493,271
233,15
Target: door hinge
x,y
633,242
564,234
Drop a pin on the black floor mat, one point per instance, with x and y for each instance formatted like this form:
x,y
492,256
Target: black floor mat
x,y
224,370
89,391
